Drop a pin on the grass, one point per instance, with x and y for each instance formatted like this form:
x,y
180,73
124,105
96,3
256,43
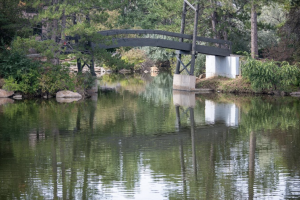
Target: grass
x,y
223,84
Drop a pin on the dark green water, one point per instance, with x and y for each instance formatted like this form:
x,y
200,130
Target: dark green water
x,y
133,143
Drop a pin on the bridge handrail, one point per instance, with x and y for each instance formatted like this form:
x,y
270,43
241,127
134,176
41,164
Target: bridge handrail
x,y
159,32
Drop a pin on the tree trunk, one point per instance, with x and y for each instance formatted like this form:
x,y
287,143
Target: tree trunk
x,y
79,67
55,60
54,23
63,27
214,21
92,67
54,30
254,47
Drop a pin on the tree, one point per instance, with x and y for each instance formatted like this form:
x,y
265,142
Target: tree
x,y
291,29
254,46
77,18
11,20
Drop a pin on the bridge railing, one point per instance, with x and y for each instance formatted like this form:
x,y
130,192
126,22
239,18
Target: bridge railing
x,y
220,43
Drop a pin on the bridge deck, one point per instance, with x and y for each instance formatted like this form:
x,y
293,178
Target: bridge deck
x,y
170,41
169,44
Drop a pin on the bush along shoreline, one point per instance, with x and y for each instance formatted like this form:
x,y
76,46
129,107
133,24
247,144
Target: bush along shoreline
x,y
30,78
258,77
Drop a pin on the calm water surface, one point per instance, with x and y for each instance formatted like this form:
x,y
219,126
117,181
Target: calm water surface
x,y
134,143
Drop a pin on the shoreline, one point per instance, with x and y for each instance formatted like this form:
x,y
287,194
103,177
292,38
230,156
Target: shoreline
x,y
239,86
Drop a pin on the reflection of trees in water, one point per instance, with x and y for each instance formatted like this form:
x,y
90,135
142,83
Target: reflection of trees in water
x,y
87,144
120,82
157,89
276,113
274,122
160,89
127,114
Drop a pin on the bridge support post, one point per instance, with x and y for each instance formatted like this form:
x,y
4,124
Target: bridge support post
x,y
194,41
181,39
193,52
187,82
184,82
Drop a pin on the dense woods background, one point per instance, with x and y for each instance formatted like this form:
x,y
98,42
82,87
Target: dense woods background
x,y
264,29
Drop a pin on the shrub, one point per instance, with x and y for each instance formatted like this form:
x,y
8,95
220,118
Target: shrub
x,y
270,74
28,84
30,77
15,64
11,84
135,57
55,78
85,80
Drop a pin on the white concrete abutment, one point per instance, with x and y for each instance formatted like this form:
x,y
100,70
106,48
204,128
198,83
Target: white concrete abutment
x,y
228,66
184,82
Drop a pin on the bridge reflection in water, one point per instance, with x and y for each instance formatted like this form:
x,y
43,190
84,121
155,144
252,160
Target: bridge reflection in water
x,y
215,113
225,113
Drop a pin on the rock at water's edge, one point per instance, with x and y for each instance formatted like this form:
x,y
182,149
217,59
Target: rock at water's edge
x,y
5,101
67,100
18,97
68,94
297,94
47,97
5,94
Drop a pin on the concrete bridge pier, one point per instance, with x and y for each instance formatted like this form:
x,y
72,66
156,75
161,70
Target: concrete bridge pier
x,y
228,66
184,82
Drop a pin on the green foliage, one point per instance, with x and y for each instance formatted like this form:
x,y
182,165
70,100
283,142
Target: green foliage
x,y
139,13
46,47
11,84
16,64
28,84
11,20
158,54
200,64
66,64
31,77
135,57
265,75
114,62
56,78
111,78
289,74
84,80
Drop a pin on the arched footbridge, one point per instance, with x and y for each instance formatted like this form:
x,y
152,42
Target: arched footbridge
x,y
185,44
163,39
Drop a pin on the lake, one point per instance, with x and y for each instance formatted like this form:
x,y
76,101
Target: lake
x,y
137,139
